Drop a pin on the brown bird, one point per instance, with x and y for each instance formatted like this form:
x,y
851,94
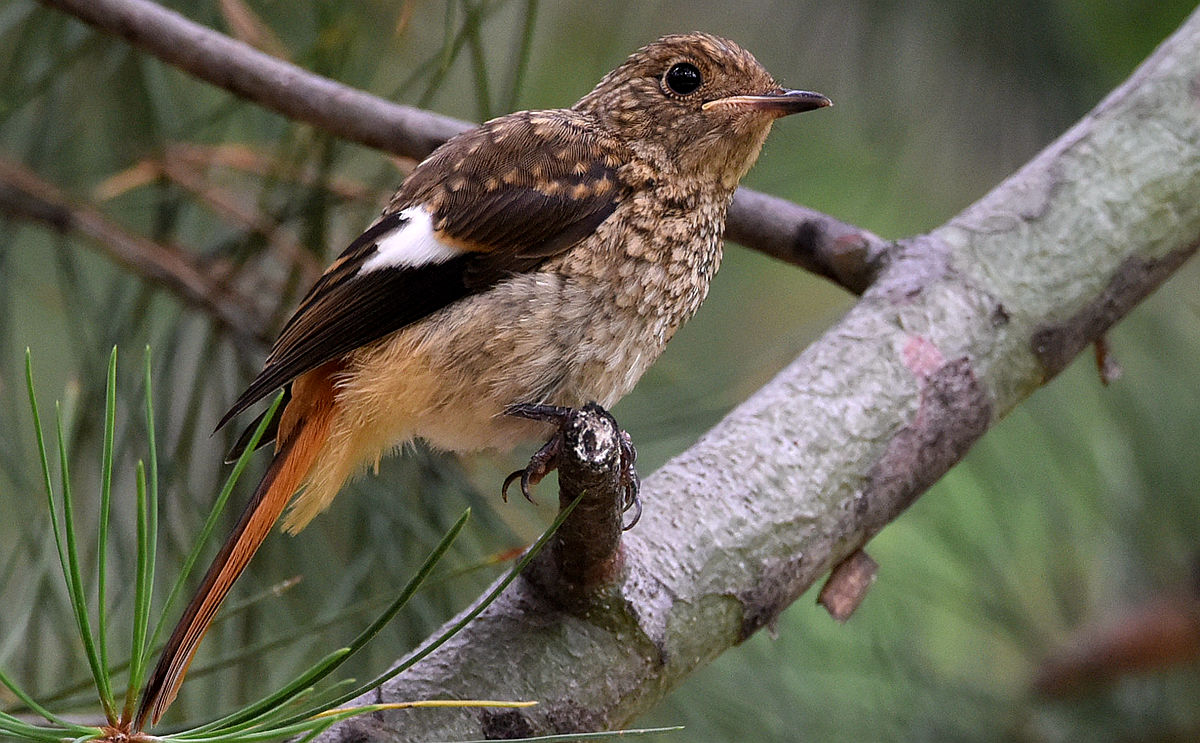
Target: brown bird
x,y
543,258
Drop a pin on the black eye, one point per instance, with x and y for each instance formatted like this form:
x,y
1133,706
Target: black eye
x,y
683,78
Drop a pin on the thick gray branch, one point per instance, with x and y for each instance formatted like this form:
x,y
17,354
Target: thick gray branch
x,y
965,323
848,255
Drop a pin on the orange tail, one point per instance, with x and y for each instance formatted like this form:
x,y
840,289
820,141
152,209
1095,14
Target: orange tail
x,y
292,462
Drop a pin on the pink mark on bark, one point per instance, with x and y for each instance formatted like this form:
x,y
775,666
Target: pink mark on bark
x,y
922,356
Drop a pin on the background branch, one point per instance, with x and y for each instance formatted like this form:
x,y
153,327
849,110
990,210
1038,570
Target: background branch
x,y
23,194
845,254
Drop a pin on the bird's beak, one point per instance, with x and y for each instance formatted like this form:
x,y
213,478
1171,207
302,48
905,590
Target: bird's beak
x,y
779,102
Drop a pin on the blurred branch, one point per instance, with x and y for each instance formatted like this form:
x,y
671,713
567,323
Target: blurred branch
x,y
268,81
23,194
187,166
847,255
1162,633
817,242
962,325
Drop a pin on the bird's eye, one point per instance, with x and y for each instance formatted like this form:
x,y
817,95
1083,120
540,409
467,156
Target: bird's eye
x,y
683,78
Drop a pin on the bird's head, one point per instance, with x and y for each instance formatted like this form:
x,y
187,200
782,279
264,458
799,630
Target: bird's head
x,y
695,102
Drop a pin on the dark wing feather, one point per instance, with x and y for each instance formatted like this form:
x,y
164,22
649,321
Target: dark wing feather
x,y
521,186
510,194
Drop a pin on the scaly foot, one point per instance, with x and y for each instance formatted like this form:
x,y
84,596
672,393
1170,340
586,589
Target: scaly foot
x,y
545,460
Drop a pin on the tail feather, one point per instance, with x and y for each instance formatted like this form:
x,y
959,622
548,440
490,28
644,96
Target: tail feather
x,y
288,470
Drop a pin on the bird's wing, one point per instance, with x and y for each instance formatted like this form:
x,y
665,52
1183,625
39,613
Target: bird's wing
x,y
492,202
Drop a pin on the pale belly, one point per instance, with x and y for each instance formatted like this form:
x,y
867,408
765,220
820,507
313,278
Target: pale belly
x,y
537,339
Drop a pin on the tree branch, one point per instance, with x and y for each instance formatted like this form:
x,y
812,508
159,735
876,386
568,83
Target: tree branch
x,y
846,255
584,552
960,327
23,194
817,242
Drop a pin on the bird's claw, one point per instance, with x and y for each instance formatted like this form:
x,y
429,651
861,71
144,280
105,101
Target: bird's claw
x,y
545,459
631,484
542,463
556,414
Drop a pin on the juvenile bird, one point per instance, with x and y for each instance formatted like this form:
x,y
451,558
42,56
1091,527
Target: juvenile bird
x,y
545,257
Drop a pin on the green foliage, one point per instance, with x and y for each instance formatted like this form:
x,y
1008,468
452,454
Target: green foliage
x,y
300,707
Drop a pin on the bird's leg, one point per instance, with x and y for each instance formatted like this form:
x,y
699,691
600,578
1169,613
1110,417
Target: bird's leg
x,y
545,459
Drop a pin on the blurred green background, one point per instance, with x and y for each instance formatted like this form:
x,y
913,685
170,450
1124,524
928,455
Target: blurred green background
x,y
1078,507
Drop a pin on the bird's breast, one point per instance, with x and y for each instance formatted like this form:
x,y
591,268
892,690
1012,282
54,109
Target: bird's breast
x,y
636,281
655,257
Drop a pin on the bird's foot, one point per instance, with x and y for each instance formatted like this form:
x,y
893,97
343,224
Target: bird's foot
x,y
545,460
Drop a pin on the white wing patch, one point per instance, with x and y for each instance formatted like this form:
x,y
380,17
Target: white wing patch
x,y
410,245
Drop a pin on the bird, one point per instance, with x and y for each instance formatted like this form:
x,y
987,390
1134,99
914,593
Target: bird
x,y
539,261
